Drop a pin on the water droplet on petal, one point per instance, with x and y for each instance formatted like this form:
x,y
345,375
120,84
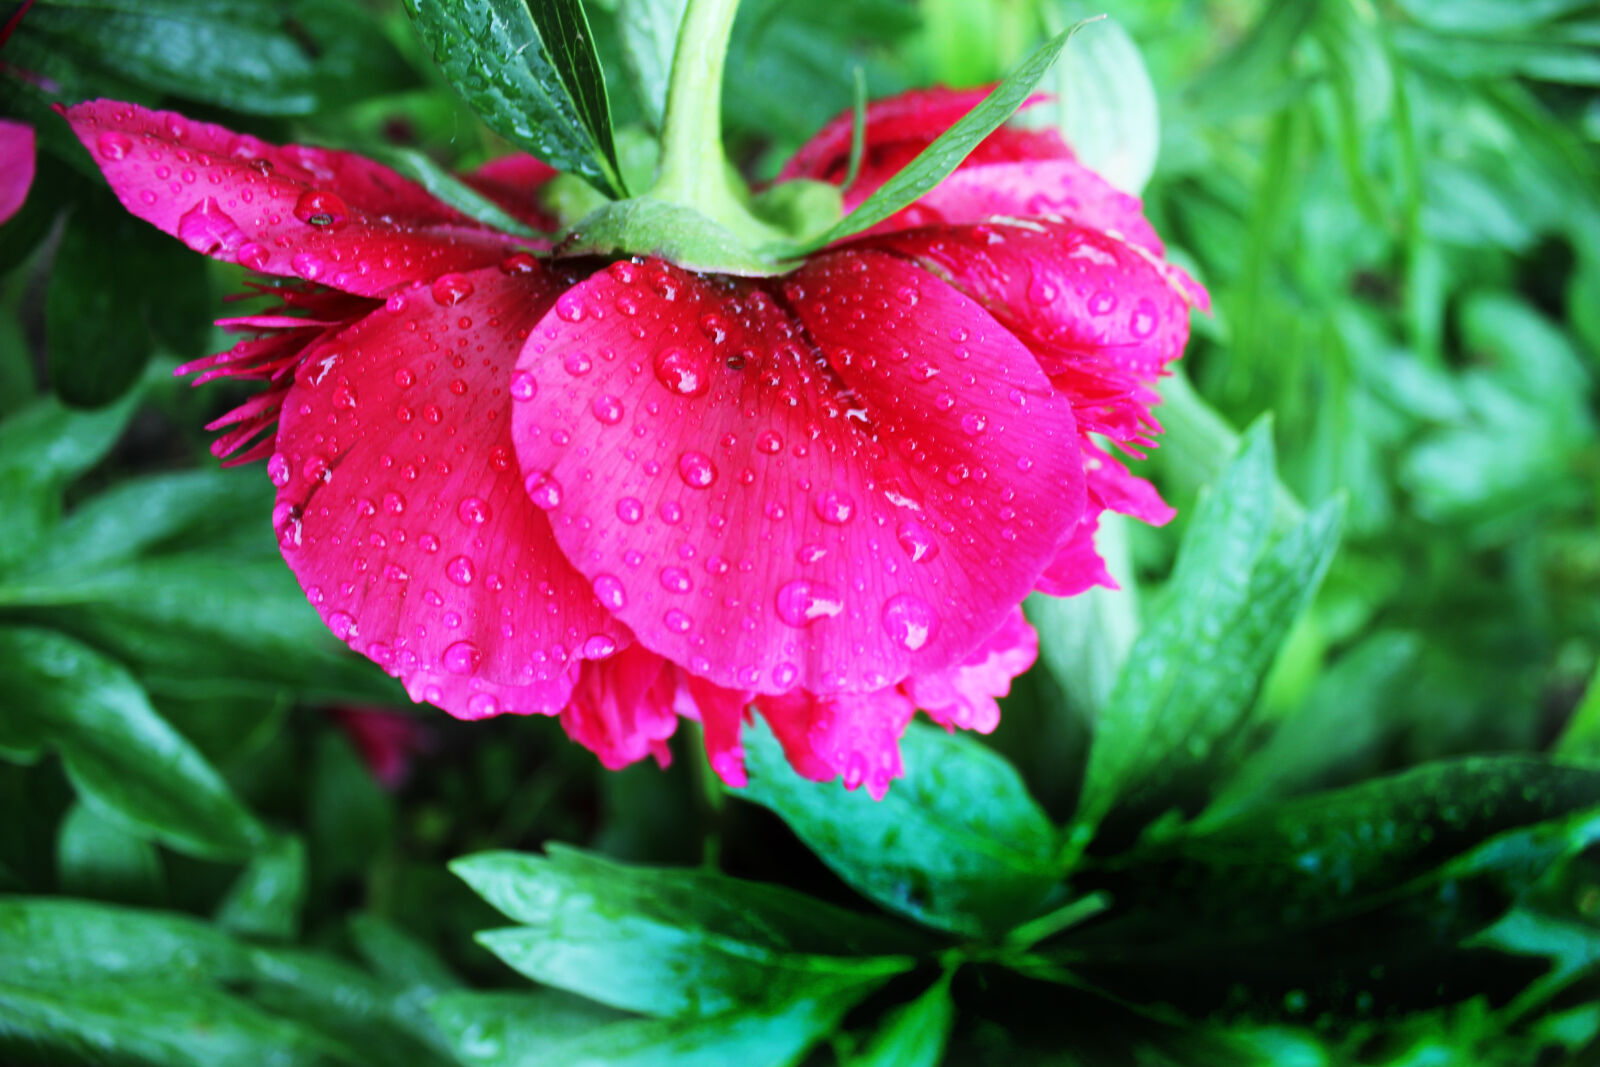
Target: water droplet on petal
x,y
607,409
770,442
317,207
599,646
834,507
113,145
973,423
678,622
459,570
697,470
577,364
1144,318
801,603
910,622
473,510
206,228
676,580
451,289
608,590
482,705
278,470
253,256
543,489
917,540
343,625
1102,303
519,263
681,372
523,386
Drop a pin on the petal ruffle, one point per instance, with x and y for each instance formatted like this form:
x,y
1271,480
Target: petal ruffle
x,y
401,511
965,695
853,735
331,217
16,166
1098,312
622,708
827,487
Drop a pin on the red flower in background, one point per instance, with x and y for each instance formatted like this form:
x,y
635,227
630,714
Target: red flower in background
x,y
641,493
16,166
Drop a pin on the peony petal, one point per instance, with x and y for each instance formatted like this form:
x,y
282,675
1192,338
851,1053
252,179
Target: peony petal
x,y
513,182
622,707
828,503
965,695
16,166
401,511
722,714
856,735
1078,566
314,213
899,127
1097,312
1111,486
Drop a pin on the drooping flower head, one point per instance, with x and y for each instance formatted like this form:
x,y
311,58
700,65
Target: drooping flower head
x,y
633,493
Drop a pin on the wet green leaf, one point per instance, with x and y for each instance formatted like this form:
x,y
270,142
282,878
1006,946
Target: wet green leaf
x,y
124,759
532,74
674,943
957,844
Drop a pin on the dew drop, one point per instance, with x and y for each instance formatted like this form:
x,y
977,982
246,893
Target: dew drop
x,y
451,289
543,489
675,580
599,646
519,263
607,409
678,622
473,510
278,470
917,540
1143,323
697,470
318,207
609,591
681,372
343,625
523,386
482,705
570,307
394,504
252,256
113,145
910,622
973,424
801,603
577,364
630,510
770,442
1102,303
834,507
459,571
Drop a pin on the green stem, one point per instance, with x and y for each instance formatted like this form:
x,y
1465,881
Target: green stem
x,y
693,172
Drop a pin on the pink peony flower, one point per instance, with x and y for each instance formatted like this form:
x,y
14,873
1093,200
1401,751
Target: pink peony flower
x,y
16,166
634,493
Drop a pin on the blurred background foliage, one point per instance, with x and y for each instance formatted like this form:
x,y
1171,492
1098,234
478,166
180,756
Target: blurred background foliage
x,y
1274,802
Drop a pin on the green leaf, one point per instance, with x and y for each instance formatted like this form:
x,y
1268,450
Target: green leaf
x,y
399,958
151,1021
363,1017
449,189
123,758
95,328
1191,676
491,1029
1581,738
671,942
267,898
65,942
957,844
1107,106
42,448
649,31
1368,890
533,76
913,1035
289,58
98,858
936,162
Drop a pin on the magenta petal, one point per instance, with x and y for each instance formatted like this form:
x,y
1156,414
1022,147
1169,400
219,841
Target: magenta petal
x,y
965,695
1097,312
722,714
513,182
1078,566
1114,488
401,511
622,707
1058,189
855,735
829,503
314,213
16,166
